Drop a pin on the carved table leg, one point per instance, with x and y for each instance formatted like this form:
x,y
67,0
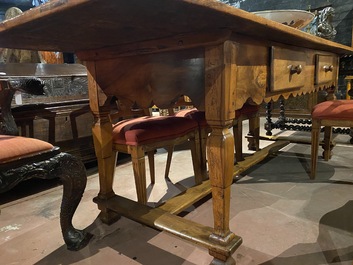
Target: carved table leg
x,y
220,151
220,74
102,137
73,176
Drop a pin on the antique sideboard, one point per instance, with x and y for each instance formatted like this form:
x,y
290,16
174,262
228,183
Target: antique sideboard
x,y
151,52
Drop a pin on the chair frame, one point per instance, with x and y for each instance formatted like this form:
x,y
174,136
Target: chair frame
x,y
253,134
138,152
139,165
327,142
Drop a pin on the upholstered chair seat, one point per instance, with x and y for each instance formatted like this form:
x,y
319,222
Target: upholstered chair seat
x,y
145,134
17,147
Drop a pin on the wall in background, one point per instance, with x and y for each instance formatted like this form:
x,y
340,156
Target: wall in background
x,y
6,4
342,21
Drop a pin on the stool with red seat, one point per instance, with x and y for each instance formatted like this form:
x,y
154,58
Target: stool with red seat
x,y
328,113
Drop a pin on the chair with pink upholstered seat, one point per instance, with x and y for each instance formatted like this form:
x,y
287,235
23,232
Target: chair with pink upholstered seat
x,y
139,135
330,113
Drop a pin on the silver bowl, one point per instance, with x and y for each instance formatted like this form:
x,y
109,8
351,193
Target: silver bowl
x,y
290,17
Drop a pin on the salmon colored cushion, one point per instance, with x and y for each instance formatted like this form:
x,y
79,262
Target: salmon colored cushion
x,y
149,129
200,116
194,114
15,147
333,110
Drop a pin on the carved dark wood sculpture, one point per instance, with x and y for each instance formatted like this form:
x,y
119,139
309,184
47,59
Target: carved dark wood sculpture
x,y
47,164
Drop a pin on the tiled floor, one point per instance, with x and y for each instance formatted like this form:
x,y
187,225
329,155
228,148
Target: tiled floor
x,y
282,216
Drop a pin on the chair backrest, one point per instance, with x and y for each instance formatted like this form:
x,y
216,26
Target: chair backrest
x,y
122,109
184,102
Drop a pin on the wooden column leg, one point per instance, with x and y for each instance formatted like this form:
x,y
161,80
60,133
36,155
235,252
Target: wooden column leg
x,y
220,152
220,86
103,145
315,134
106,159
139,167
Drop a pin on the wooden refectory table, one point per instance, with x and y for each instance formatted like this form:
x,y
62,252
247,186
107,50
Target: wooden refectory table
x,y
153,51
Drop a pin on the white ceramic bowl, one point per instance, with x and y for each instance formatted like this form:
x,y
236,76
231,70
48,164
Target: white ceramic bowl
x,y
291,17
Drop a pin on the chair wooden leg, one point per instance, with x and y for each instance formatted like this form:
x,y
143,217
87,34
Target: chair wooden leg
x,y
150,155
196,158
315,134
254,132
139,167
170,150
238,140
203,142
327,143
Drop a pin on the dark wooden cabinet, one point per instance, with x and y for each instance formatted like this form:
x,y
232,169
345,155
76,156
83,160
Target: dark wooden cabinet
x,y
61,116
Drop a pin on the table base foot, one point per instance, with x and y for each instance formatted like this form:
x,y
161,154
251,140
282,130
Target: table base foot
x,y
77,239
229,261
176,225
106,215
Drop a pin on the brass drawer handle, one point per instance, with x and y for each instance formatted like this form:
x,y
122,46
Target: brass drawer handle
x,y
328,68
295,69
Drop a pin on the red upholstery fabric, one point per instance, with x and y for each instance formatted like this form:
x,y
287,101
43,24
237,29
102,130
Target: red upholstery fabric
x,y
333,110
14,147
148,129
194,114
199,116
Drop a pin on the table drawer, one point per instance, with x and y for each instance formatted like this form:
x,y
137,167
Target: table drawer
x,y
325,68
288,69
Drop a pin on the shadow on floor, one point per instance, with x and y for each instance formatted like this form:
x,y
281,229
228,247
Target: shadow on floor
x,y
339,222
124,239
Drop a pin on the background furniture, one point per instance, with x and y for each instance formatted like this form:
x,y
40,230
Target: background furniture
x,y
23,158
60,116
